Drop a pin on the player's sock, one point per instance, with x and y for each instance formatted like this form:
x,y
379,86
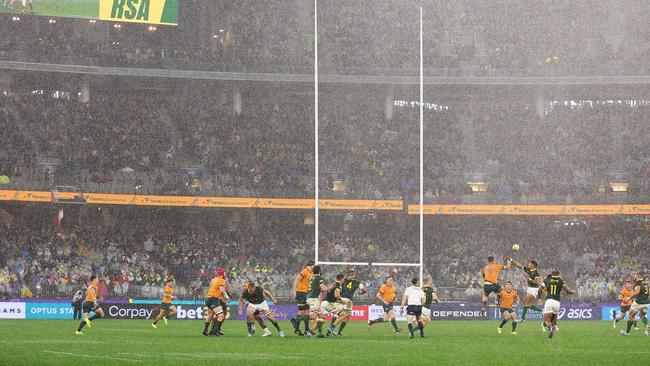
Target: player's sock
x,y
503,322
378,320
630,323
394,322
410,326
333,320
276,325
644,320
343,324
81,325
93,317
155,322
249,326
523,313
537,308
305,319
514,326
320,327
207,325
217,326
421,328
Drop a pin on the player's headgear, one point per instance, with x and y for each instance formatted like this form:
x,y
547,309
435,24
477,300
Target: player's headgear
x,y
221,272
490,258
556,272
534,263
310,263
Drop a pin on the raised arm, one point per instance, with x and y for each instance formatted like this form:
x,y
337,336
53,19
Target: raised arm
x,y
269,296
516,264
568,289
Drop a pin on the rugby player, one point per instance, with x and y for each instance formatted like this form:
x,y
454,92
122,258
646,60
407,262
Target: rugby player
x,y
257,305
552,287
533,279
299,292
217,303
508,298
625,297
491,280
90,304
640,304
387,296
167,310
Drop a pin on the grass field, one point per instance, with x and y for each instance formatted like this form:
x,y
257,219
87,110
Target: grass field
x,y
134,342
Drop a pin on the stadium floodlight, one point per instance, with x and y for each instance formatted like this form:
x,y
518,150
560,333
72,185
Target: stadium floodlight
x,y
477,181
619,181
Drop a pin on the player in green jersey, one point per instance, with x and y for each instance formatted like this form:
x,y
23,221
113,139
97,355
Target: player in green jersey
x,y
429,297
256,297
349,287
534,279
552,287
316,286
333,304
641,297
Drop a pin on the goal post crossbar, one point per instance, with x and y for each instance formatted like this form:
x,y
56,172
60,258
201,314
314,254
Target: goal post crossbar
x,y
383,264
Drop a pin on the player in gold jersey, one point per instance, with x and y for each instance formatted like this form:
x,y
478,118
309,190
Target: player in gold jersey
x,y
300,288
216,302
387,296
90,304
167,310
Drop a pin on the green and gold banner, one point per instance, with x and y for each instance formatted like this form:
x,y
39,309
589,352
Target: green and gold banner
x,y
134,11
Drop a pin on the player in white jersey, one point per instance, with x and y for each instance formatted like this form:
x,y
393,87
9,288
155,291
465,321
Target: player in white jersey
x,y
414,298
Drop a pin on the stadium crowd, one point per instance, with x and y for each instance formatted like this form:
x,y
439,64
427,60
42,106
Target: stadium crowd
x,y
131,143
133,251
463,38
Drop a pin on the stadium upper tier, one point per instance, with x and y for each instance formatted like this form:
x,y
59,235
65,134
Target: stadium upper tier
x,y
236,139
461,38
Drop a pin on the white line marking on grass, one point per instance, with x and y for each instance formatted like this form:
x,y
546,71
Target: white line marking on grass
x,y
216,355
53,341
90,356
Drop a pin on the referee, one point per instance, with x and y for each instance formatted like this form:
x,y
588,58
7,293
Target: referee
x,y
414,298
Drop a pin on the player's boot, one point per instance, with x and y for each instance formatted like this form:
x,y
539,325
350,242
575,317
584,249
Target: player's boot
x,y
410,335
249,335
78,333
543,327
369,325
398,330
165,320
205,333
513,333
646,332
499,330
331,330
636,328
87,321
624,333
320,336
281,333
154,326
308,333
267,333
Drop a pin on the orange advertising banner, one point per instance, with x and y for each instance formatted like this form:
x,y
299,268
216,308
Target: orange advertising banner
x,y
190,201
531,210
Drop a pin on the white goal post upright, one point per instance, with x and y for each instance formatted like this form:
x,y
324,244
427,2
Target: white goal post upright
x,y
316,163
316,201
421,156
